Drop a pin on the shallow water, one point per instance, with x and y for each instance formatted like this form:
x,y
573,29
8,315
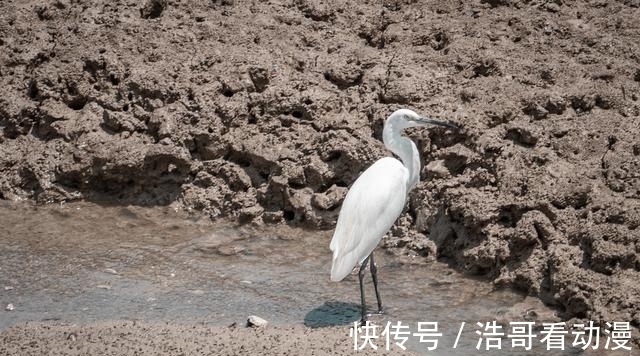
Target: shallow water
x,y
83,262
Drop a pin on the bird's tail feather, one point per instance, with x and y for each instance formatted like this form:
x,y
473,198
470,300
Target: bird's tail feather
x,y
341,267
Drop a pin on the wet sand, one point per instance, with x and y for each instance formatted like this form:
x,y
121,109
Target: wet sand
x,y
140,338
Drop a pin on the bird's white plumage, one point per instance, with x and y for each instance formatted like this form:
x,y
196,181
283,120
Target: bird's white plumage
x,y
375,201
370,208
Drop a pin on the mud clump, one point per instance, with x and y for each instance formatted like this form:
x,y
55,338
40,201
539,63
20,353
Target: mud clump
x,y
271,120
152,9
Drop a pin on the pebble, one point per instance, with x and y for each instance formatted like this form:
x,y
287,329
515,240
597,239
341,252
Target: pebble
x,y
8,287
11,307
437,168
256,321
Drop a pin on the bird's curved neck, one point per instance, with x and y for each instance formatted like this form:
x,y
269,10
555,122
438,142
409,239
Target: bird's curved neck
x,y
405,149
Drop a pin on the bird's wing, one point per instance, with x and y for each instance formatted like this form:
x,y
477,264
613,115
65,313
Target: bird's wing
x,y
370,208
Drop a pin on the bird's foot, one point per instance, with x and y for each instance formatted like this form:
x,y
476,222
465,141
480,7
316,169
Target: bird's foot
x,y
380,311
365,318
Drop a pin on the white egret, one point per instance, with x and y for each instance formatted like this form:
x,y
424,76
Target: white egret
x,y
376,200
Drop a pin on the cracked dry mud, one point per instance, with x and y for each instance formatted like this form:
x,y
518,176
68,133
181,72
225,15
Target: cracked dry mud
x,y
266,112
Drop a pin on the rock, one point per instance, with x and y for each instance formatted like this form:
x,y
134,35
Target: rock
x,y
439,40
231,86
316,11
9,307
248,214
273,217
555,104
329,199
535,110
344,76
260,78
524,136
118,122
503,112
571,194
153,9
300,200
496,3
552,7
582,103
210,147
485,68
235,176
256,322
317,172
437,169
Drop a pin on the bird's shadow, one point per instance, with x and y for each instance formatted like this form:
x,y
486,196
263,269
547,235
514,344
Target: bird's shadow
x,y
332,313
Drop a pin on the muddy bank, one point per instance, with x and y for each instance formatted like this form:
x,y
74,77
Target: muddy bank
x,y
140,338
266,112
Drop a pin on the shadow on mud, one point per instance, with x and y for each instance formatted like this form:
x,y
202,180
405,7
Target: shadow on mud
x,y
332,313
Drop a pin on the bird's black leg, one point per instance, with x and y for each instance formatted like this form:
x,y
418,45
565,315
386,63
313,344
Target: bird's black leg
x,y
361,277
374,276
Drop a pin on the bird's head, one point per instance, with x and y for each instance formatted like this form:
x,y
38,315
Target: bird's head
x,y
405,118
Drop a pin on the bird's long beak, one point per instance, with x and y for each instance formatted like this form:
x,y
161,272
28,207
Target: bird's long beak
x,y
427,120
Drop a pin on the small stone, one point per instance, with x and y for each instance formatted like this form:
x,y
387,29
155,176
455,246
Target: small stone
x,y
256,322
8,287
72,337
153,9
552,7
344,76
437,168
249,213
535,110
259,77
524,136
110,271
273,217
103,286
229,250
329,199
583,103
10,307
320,201
555,104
